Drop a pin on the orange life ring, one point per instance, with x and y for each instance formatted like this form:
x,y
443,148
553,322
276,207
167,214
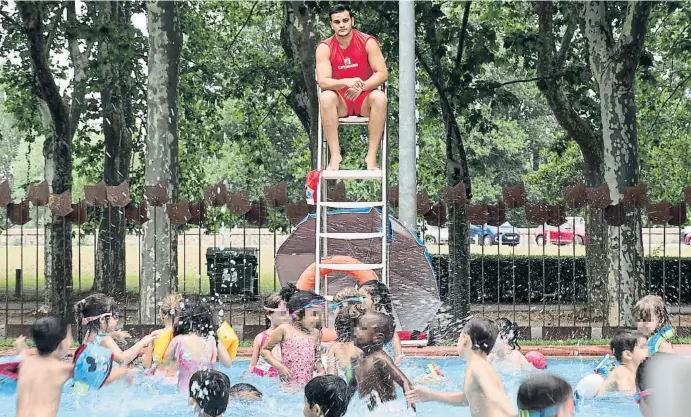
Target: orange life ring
x,y
309,275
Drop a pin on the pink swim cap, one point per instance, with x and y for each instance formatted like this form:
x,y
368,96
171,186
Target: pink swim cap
x,y
537,359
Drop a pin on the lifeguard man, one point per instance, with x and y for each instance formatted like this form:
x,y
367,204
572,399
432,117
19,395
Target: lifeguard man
x,y
350,67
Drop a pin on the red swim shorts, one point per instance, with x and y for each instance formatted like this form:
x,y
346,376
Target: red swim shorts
x,y
355,106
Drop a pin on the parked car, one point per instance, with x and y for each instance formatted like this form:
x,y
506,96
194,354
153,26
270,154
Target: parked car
x,y
572,229
436,234
487,235
686,235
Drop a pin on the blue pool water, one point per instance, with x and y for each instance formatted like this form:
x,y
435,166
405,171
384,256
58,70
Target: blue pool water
x,y
150,398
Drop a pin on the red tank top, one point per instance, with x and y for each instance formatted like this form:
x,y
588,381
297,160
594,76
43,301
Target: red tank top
x,y
352,61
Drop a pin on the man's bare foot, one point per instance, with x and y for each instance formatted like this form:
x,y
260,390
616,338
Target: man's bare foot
x,y
371,162
334,163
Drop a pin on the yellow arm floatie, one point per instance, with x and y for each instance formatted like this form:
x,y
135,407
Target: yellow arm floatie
x,y
228,338
161,345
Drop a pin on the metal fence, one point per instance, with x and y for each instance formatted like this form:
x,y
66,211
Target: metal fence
x,y
536,276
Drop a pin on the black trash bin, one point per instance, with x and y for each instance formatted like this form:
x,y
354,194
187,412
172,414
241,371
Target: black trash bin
x,y
232,271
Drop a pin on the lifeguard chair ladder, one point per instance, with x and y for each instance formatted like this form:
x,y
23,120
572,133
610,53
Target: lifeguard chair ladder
x,y
323,205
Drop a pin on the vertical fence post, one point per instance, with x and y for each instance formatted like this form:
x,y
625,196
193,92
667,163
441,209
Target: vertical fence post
x,y
17,282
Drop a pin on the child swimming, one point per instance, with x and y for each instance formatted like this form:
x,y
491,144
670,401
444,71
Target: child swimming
x,y
194,346
245,392
96,318
630,349
276,312
484,393
209,391
42,376
375,371
378,298
653,322
343,352
326,396
169,313
545,395
504,351
300,339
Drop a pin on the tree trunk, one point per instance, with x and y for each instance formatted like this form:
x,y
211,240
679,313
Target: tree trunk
x,y
61,228
159,255
299,39
596,247
110,255
614,67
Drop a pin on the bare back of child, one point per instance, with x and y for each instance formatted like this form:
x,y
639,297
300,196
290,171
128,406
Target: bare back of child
x,y
41,377
630,349
375,371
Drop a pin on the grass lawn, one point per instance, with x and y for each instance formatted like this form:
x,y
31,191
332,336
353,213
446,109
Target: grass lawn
x,y
191,271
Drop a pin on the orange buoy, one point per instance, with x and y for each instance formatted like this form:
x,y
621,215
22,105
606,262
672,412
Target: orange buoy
x,y
309,276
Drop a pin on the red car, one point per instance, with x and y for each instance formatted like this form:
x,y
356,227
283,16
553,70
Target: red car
x,y
564,234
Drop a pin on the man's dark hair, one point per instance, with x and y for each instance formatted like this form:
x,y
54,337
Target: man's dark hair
x,y
542,391
239,388
48,333
623,341
330,393
210,390
483,334
340,8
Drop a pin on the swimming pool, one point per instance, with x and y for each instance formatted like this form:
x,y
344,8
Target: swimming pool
x,y
149,398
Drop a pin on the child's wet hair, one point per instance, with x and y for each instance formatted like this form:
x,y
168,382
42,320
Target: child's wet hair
x,y
381,297
345,322
623,341
652,305
297,300
238,389
383,323
196,317
272,301
664,378
48,332
541,391
330,393
210,389
482,332
92,306
510,331
171,307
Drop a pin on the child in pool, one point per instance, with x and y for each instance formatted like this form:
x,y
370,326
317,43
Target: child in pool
x,y
97,319
545,395
662,386
654,323
277,314
300,339
169,313
42,376
375,371
378,298
209,391
484,393
347,297
504,351
194,346
630,349
343,352
326,396
245,392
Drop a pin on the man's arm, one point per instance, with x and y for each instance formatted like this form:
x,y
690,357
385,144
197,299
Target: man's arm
x,y
323,58
378,65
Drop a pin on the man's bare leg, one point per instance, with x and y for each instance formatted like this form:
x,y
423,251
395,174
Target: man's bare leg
x,y
332,107
374,107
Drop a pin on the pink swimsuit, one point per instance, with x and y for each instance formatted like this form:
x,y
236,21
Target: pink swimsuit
x,y
263,368
188,366
298,355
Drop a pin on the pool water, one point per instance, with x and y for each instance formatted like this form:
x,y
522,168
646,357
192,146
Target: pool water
x,y
150,397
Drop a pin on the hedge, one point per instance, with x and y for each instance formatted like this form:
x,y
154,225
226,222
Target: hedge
x,y
552,276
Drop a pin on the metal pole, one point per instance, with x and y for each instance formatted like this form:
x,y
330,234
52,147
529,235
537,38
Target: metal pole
x,y
407,186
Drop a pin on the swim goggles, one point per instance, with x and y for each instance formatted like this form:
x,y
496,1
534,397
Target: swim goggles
x,y
638,397
359,300
313,303
551,411
87,320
